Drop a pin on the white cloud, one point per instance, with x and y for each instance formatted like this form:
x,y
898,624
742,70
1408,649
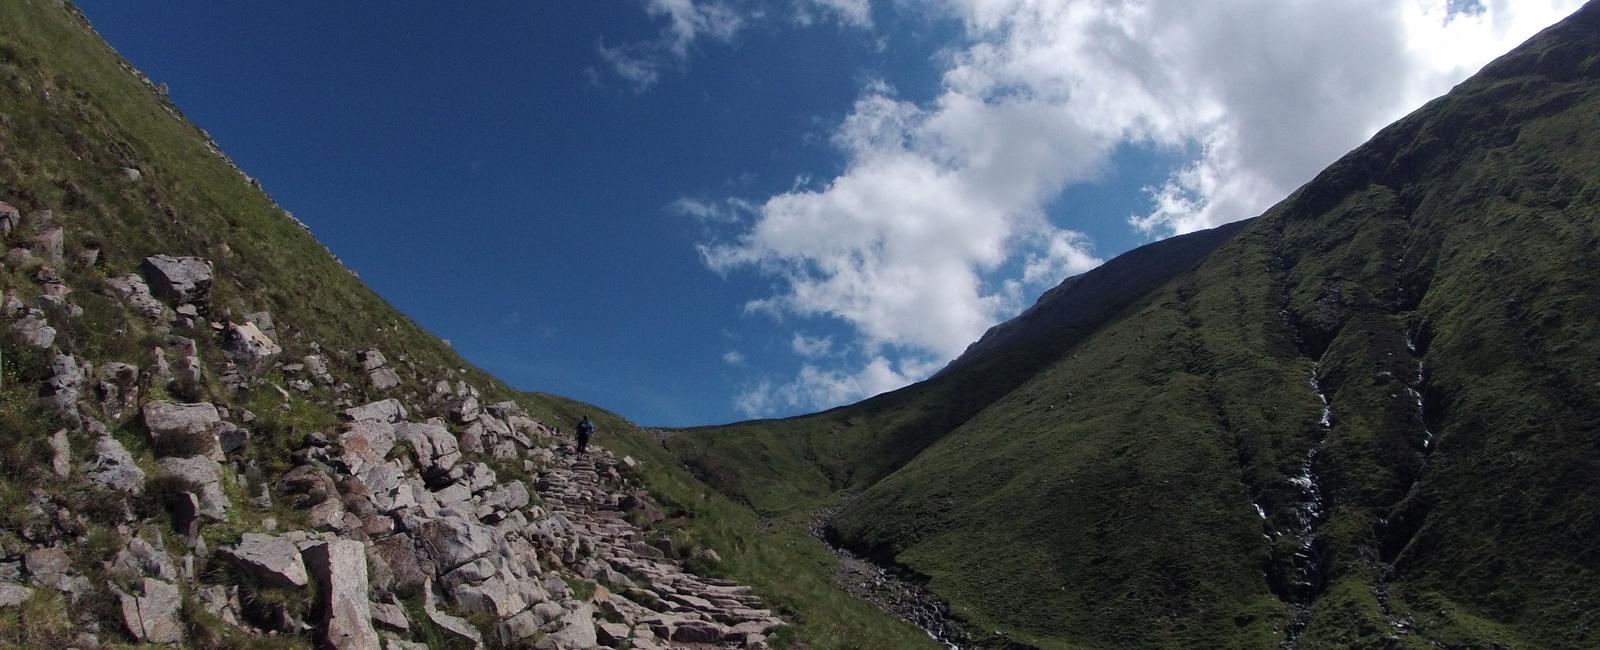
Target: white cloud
x,y
910,243
733,358
640,64
806,346
816,388
850,13
727,210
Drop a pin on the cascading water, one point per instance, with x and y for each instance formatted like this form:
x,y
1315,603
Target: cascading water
x,y
1306,582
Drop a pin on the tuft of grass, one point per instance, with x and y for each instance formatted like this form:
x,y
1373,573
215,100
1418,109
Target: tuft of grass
x,y
41,621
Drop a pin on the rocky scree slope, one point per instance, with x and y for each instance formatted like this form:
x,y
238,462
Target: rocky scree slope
x,y
177,527
212,434
1365,420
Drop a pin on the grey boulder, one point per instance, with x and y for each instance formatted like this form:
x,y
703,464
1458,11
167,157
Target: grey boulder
x,y
153,616
270,559
113,467
178,279
343,605
250,350
205,475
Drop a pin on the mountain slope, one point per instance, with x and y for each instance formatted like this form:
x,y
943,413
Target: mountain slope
x,y
103,172
777,464
1366,419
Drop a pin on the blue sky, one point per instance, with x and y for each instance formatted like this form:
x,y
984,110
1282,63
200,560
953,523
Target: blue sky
x,y
694,211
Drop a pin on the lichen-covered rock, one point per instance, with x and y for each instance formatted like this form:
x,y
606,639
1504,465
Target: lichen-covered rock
x,y
384,378
398,556
60,454
62,390
465,410
317,367
13,594
388,614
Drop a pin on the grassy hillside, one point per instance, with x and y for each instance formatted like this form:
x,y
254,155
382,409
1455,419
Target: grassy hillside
x,y
1438,287
797,463
74,119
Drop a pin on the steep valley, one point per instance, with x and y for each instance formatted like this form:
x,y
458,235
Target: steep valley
x,y
1366,418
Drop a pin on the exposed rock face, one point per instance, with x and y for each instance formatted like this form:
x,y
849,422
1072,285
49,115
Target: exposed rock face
x,y
455,626
206,476
117,388
436,448
50,567
13,594
60,454
61,390
270,559
263,321
113,467
35,330
465,410
142,558
181,280
47,245
388,410
317,367
153,616
248,348
378,371
341,571
576,630
390,615
452,540
10,218
193,427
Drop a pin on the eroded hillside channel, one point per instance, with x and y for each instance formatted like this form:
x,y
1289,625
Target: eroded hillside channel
x,y
892,588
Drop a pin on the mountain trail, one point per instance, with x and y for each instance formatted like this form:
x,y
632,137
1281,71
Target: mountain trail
x,y
656,591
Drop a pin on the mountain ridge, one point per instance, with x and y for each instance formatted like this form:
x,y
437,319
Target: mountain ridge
x,y
1362,421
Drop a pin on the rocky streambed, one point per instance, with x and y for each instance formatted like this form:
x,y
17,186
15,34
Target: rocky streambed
x,y
893,589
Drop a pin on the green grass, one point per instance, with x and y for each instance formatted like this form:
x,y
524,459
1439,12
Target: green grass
x,y
789,569
1104,498
71,119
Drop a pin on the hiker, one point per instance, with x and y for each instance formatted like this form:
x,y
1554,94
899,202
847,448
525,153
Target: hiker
x,y
585,430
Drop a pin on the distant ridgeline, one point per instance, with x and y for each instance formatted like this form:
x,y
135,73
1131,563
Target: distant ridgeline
x,y
1369,417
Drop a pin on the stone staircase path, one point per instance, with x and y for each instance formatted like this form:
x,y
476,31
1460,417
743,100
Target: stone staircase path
x,y
649,589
